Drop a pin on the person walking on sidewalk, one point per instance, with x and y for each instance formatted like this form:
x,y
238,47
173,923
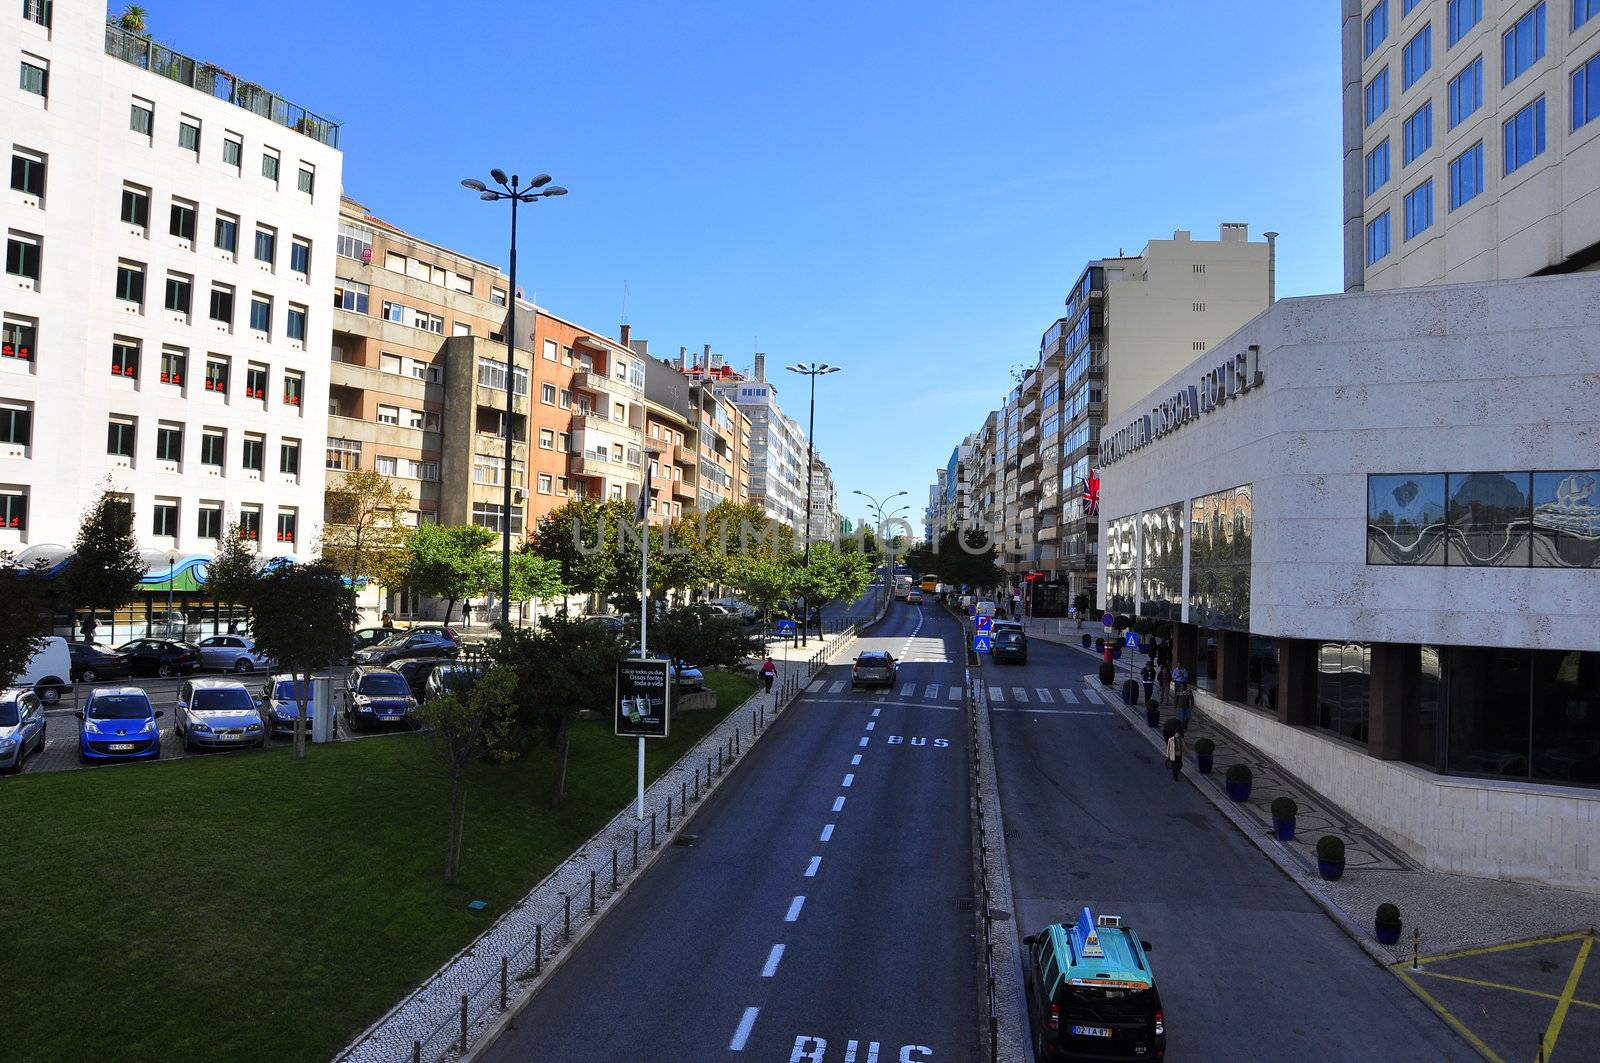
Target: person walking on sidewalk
x,y
1164,682
1147,675
769,672
466,614
1175,751
1183,701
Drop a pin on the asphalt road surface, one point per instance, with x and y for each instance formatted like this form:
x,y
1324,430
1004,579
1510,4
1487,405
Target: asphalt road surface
x,y
816,917
1248,967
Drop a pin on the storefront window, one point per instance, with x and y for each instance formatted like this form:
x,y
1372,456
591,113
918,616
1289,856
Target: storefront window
x,y
1344,670
1121,555
1220,533
1263,692
1566,520
1566,717
1205,663
1489,516
1488,704
1161,567
1405,519
1420,742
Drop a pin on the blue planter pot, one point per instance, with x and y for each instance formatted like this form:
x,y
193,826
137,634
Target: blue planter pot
x,y
1204,761
1086,642
1237,791
1284,828
1387,934
1099,644
1152,717
1116,653
1330,871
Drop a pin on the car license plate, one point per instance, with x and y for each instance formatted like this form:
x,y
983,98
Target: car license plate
x,y
230,738
1092,1031
120,747
388,719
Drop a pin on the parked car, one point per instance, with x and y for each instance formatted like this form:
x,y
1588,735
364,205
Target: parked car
x,y
162,657
614,624
91,663
283,708
370,636
232,653
377,696
436,629
405,645
416,671
49,670
218,714
22,727
685,676
874,667
449,677
118,723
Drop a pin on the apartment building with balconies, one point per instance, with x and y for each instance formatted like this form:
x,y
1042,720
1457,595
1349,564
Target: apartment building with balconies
x,y
823,503
672,418
777,447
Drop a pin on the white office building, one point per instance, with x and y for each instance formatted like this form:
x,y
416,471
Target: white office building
x,y
170,236
777,447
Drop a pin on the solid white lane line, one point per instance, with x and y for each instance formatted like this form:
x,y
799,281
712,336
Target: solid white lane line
x,y
837,687
1020,694
872,724
794,908
850,777
864,741
770,968
838,803
811,868
742,1034
827,832
1044,695
955,693
996,694
855,760
875,712
1068,696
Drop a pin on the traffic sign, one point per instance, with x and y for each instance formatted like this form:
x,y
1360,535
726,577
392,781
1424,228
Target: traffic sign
x,y
1132,641
984,622
644,694
980,643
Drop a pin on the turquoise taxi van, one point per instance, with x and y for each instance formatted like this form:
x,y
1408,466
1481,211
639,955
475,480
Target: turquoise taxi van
x,y
1091,992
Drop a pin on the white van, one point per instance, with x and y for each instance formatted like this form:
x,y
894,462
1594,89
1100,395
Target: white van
x,y
49,673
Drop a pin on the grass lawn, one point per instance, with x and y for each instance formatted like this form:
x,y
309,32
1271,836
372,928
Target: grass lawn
x,y
246,907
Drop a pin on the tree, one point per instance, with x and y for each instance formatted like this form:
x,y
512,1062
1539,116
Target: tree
x,y
579,538
695,634
451,563
25,615
464,728
134,19
106,567
303,618
362,535
231,577
830,576
533,578
762,581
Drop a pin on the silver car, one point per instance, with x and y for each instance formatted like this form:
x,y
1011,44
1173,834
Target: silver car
x,y
232,653
22,726
218,714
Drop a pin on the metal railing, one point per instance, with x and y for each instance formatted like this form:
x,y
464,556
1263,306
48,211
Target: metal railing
x,y
982,899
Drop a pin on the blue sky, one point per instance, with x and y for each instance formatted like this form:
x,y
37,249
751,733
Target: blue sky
x,y
904,189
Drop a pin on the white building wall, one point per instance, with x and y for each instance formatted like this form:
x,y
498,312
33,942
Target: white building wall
x,y
83,129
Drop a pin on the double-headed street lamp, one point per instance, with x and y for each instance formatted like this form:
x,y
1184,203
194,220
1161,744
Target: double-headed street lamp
x,y
517,193
877,508
812,370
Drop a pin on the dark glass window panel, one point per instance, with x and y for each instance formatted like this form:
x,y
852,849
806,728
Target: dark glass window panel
x,y
1343,673
1420,737
1489,516
1263,673
1161,562
1120,544
179,294
1566,519
1488,705
1220,546
1566,717
1406,519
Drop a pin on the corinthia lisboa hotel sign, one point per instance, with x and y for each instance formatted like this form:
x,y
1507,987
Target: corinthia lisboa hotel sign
x,y
1217,385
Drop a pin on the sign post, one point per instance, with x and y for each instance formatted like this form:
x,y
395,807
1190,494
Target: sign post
x,y
643,706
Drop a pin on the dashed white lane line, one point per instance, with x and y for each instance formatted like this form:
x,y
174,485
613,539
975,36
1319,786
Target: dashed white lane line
x,y
864,741
1020,693
838,803
794,908
827,832
1044,695
837,687
770,968
850,777
811,868
875,712
742,1034
871,725
855,760
955,693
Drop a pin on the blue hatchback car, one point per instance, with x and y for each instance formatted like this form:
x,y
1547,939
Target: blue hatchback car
x,y
119,723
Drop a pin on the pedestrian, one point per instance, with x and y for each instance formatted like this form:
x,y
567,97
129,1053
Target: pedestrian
x,y
1180,675
1183,700
1164,682
1147,675
769,672
1175,752
387,620
88,628
466,613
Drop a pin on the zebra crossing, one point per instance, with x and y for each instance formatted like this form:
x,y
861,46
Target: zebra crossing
x,y
1062,700
939,692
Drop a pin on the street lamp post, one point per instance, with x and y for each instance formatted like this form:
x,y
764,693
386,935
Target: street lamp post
x,y
877,507
517,193
812,370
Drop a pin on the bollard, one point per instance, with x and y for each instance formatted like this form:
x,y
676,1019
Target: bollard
x,y
669,813
719,760
416,1052
613,869
591,892
636,848
1416,939
683,795
566,916
463,1022
697,784
737,749
538,948
652,828
708,771
505,984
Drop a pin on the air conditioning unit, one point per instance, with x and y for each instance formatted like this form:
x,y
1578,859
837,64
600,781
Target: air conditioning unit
x,y
518,496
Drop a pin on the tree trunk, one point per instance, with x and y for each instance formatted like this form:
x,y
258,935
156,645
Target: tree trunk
x,y
449,608
300,719
458,818
563,744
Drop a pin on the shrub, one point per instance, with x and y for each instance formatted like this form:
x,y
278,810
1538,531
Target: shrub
x,y
1239,774
1121,623
1284,808
1388,915
1330,848
1205,746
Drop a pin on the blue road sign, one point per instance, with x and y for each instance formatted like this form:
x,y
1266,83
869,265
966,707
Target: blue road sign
x,y
786,628
980,643
984,623
1132,641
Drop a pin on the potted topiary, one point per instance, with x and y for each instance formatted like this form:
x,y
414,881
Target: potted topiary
x,y
1386,924
1238,781
1099,645
1108,673
1283,812
1204,750
1086,641
1152,713
1330,857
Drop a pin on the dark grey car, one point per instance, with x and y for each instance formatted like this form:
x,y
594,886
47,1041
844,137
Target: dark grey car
x,y
873,668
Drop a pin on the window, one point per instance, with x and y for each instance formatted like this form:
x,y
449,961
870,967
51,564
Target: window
x,y
1418,132
269,165
255,382
288,525
13,510
551,351
27,173
299,255
142,117
1419,208
1466,175
227,233
391,363
36,76
250,523
130,282
354,242
492,374
17,338
344,455
16,424
182,221
388,414
547,439
1586,92
222,304
297,322
136,206
1583,11
546,484
1378,96
1524,135
488,515
294,388
1417,57
1462,15
425,470
22,256
394,262
180,293
351,295
1523,44
37,11
217,374
261,312
125,358
173,366
289,457
566,399
266,246
254,452
166,518
1377,238
189,133
497,297
1378,167
210,522
120,433
1375,28
169,442
308,179
232,152
1466,92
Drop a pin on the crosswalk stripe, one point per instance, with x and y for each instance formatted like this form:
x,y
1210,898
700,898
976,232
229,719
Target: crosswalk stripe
x,y
1068,696
818,686
909,690
955,693
837,687
996,694
932,691
1021,694
1044,695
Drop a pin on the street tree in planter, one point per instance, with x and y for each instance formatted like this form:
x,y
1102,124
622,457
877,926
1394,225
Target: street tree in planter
x,y
451,563
1081,604
1386,924
25,616
581,540
1238,781
762,581
362,535
465,728
106,568
1284,810
1330,857
231,575
303,617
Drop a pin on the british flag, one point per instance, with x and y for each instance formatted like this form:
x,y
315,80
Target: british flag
x,y
1091,495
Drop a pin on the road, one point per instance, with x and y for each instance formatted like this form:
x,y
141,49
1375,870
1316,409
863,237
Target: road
x,y
1247,965
816,916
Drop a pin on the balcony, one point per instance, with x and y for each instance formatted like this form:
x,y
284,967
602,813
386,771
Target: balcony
x,y
593,381
1029,460
682,455
1030,434
1048,532
591,463
683,489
